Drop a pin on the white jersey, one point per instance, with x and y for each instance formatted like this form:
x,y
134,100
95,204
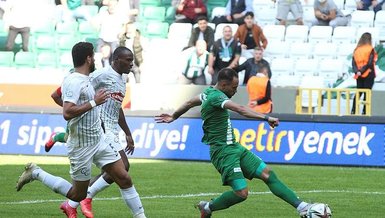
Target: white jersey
x,y
108,79
84,130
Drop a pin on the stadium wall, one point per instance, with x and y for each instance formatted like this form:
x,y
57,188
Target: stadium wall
x,y
324,140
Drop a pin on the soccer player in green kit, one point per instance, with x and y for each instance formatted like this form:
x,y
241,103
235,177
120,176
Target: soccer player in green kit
x,y
234,162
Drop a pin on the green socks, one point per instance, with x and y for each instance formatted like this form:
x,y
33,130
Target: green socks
x,y
282,191
60,137
226,200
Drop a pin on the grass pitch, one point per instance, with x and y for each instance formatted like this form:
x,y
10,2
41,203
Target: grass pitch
x,y
171,188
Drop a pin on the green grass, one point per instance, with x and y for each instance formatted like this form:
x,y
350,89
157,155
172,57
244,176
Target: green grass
x,y
164,187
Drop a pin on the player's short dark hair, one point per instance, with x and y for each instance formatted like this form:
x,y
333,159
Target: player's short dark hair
x,y
249,13
120,50
227,74
202,18
80,52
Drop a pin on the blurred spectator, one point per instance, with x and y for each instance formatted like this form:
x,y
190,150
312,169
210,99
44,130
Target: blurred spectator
x,y
286,6
106,56
110,26
131,38
366,4
327,14
196,61
72,10
225,53
202,32
259,91
253,65
235,12
188,11
363,64
18,16
250,35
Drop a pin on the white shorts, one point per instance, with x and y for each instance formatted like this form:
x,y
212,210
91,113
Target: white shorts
x,y
81,158
113,140
284,7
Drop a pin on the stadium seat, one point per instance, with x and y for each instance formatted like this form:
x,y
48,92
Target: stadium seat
x,y
379,23
67,28
344,34
350,5
296,33
374,31
65,60
180,31
259,5
287,81
219,29
44,43
306,67
92,10
308,15
3,30
362,19
281,67
6,58
166,2
311,82
155,29
300,50
150,3
46,60
217,11
65,42
345,49
266,16
24,59
216,3
43,28
324,50
330,70
170,15
274,32
320,34
340,4
86,29
153,13
277,49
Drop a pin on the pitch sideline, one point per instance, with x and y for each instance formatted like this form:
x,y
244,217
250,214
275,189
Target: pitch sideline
x,y
195,195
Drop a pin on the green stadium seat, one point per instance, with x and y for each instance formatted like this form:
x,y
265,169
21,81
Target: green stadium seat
x,y
65,60
65,42
154,29
3,42
24,59
46,60
67,28
216,3
150,3
166,3
153,13
44,43
3,30
6,58
43,28
86,29
170,15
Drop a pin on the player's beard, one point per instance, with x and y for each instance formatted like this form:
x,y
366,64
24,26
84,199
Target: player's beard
x,y
92,67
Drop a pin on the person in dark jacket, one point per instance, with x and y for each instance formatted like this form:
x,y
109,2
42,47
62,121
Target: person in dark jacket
x,y
202,31
252,65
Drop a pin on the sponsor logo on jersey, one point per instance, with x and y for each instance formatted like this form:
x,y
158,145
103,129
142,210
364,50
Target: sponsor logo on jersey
x,y
117,96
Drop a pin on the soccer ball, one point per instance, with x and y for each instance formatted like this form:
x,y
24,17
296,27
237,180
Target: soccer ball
x,y
319,210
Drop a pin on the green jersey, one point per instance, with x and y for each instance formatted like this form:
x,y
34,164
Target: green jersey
x,y
217,127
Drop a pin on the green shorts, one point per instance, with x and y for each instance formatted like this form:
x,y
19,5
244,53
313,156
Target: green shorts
x,y
235,162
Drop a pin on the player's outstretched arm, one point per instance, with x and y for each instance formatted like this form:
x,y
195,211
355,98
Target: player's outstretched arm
x,y
247,112
167,118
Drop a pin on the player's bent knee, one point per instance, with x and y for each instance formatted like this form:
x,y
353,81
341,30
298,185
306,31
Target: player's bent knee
x,y
244,193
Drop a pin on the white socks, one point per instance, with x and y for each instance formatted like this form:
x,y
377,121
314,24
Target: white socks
x,y
57,184
301,206
131,197
99,185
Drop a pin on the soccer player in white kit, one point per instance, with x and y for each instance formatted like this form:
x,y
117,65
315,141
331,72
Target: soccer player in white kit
x,y
86,142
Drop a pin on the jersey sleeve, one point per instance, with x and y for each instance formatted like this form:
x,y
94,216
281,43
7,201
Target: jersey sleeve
x,y
71,91
218,100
